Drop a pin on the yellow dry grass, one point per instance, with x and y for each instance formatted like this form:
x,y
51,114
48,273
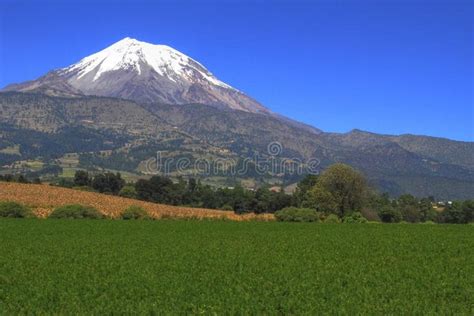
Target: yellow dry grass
x,y
44,198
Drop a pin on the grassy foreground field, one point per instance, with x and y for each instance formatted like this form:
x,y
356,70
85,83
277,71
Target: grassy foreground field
x,y
103,267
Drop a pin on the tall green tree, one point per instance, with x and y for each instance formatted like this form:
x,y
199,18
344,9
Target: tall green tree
x,y
427,212
304,186
108,182
340,189
81,178
468,210
156,189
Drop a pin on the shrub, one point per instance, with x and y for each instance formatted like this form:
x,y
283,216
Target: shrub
x,y
410,213
76,211
429,222
370,214
294,214
354,218
389,214
135,212
128,191
13,209
453,216
332,219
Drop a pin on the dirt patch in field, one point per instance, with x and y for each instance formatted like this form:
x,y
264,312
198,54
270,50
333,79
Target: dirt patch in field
x,y
44,198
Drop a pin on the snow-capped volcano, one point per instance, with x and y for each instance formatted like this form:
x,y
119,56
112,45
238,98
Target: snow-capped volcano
x,y
129,54
143,72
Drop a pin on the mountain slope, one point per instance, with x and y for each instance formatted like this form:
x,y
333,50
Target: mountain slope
x,y
45,113
135,132
142,72
441,149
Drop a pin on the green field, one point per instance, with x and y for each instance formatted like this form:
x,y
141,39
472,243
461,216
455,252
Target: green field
x,y
216,267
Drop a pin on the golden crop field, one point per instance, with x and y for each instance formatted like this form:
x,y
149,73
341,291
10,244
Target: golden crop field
x,y
44,198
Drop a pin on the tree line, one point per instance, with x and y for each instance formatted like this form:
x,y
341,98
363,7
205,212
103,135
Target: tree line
x,y
339,191
160,189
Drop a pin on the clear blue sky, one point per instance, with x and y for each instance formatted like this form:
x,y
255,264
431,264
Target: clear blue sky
x,y
390,67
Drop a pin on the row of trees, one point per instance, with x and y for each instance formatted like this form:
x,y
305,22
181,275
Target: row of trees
x,y
339,190
409,209
342,190
107,182
19,179
161,189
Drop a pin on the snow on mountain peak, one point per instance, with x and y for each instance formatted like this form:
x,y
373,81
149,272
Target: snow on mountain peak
x,y
131,54
146,73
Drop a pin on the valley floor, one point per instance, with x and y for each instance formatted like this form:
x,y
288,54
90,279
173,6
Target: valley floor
x,y
177,266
